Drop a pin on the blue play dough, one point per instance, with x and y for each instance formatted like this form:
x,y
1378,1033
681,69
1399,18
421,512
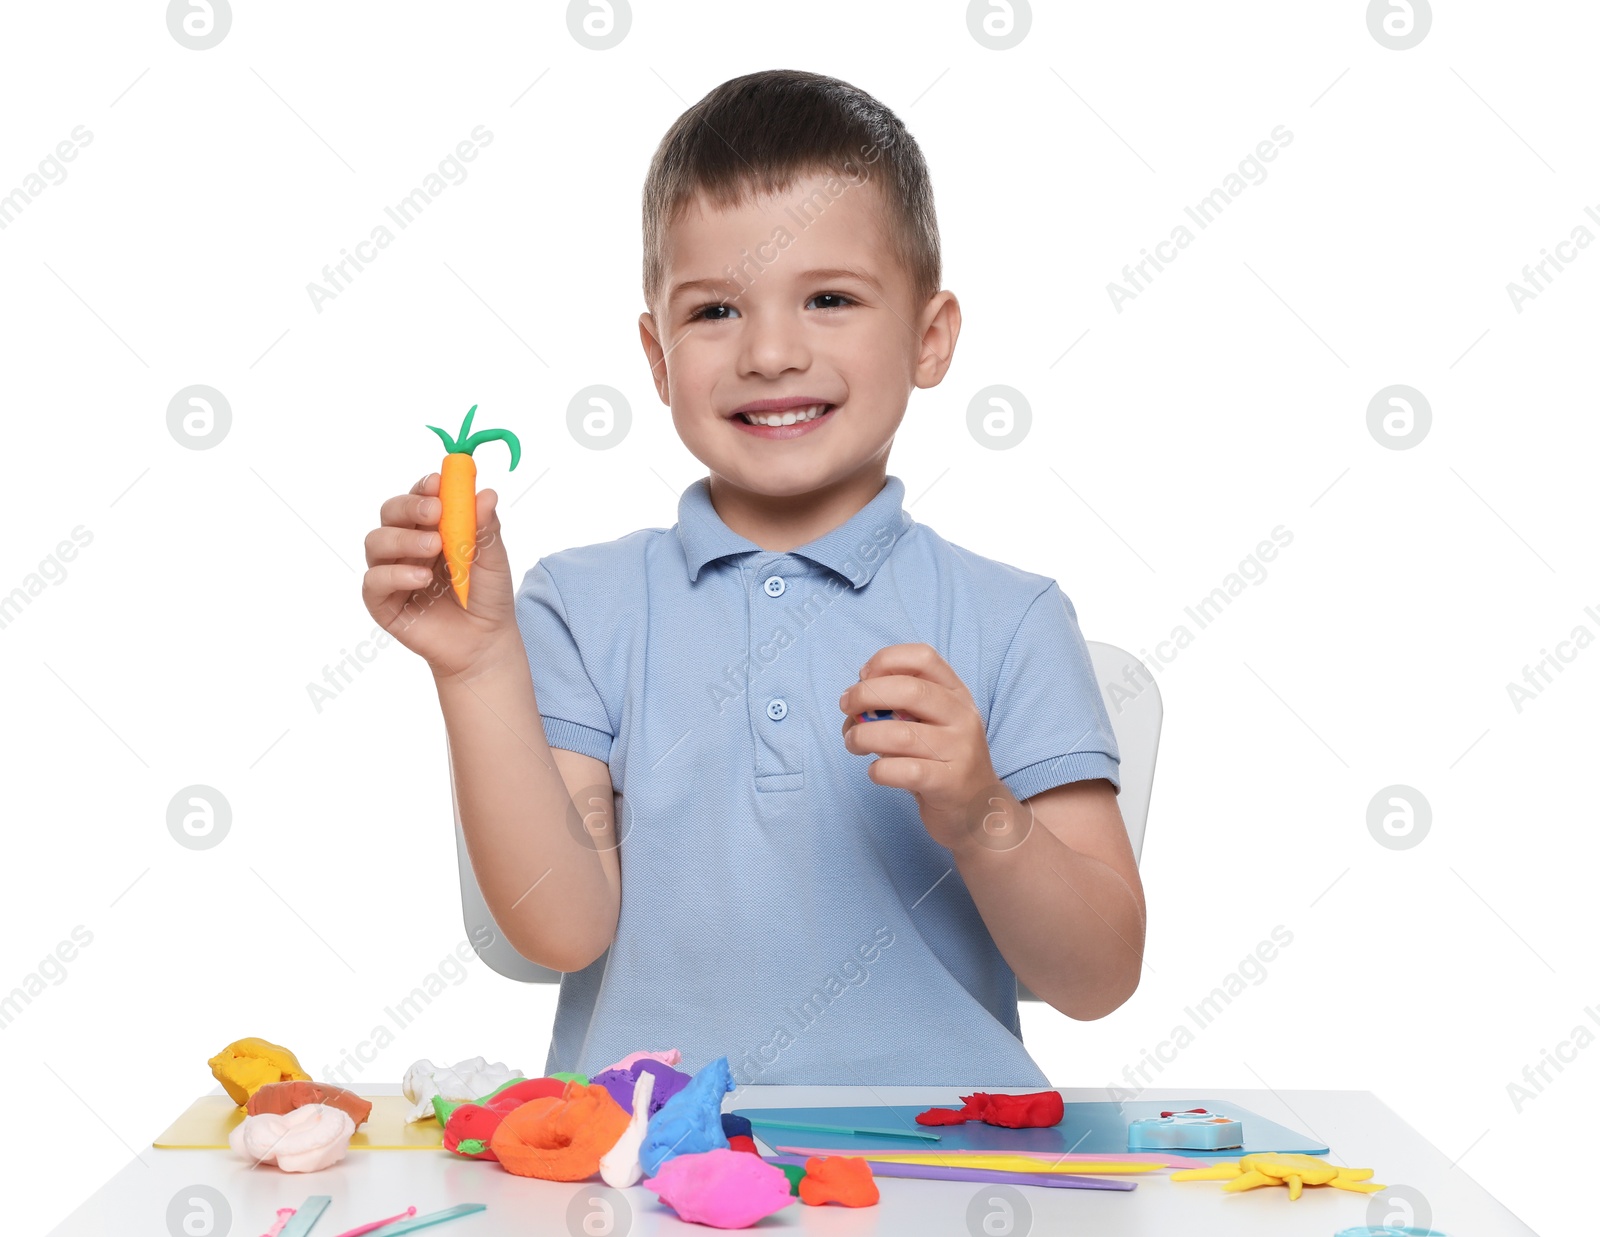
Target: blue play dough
x,y
690,1122
733,1125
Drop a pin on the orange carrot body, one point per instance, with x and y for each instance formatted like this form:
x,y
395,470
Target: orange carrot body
x,y
458,519
458,497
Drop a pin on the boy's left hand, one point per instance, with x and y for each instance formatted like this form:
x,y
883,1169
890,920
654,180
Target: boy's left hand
x,y
942,757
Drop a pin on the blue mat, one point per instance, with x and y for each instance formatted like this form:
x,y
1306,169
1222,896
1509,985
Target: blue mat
x,y
1098,1128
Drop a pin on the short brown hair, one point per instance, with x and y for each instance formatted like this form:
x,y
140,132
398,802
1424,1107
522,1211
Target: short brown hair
x,y
762,132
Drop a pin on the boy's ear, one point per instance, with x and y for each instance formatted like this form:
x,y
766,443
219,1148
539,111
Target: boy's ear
x,y
941,319
654,353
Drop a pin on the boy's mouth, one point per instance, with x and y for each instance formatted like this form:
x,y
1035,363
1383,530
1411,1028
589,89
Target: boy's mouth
x,y
784,422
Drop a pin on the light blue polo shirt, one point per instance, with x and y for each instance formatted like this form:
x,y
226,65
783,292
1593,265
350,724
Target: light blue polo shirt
x,y
778,906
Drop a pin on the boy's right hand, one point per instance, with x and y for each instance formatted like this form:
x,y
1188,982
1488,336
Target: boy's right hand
x,y
407,585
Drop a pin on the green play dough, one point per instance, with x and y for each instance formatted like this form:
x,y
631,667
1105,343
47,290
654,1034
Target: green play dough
x,y
794,1172
581,1079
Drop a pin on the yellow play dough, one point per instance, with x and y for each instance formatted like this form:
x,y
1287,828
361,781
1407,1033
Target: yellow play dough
x,y
1272,1168
246,1065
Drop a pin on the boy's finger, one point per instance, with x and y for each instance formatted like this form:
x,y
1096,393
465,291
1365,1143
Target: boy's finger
x,y
920,660
910,694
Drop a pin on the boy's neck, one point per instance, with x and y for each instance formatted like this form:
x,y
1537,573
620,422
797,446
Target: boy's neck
x,y
780,524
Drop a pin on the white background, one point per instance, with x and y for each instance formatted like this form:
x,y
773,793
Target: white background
x,y
1228,398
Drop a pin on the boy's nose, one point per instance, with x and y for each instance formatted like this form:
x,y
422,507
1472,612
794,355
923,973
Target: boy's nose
x,y
772,345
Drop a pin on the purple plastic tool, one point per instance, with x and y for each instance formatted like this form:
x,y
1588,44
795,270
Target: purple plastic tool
x,y
942,1172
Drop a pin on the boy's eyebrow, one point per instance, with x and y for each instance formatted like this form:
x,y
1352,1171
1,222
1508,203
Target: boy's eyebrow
x,y
831,272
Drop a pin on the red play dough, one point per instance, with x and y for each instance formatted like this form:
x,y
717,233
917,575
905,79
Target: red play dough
x,y
1037,1109
742,1142
843,1179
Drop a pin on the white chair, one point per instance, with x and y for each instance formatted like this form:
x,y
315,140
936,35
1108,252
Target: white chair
x,y
1132,700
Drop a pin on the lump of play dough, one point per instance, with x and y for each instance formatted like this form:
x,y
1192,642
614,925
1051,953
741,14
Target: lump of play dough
x,y
246,1065
620,1083
620,1167
283,1097
1031,1111
796,1174
722,1188
468,1128
502,1099
733,1123
743,1142
560,1139
670,1057
306,1140
465,1080
690,1121
843,1179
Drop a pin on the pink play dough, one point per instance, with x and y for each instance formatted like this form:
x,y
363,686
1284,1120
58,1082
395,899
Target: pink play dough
x,y
311,1138
722,1188
668,1056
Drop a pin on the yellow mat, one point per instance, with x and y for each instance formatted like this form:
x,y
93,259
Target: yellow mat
x,y
208,1120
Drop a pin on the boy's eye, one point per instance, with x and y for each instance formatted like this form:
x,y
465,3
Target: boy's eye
x,y
832,296
706,312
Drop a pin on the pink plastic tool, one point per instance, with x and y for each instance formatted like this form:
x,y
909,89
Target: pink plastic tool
x,y
284,1214
377,1224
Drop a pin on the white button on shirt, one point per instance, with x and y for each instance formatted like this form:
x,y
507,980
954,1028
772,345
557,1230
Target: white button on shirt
x,y
778,906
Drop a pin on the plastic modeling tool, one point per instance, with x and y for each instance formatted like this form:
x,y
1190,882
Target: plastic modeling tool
x,y
427,1221
361,1229
920,1135
305,1215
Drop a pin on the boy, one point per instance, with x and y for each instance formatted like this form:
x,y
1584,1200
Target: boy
x,y
654,796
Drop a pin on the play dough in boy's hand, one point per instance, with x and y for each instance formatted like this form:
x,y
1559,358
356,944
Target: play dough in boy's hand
x,y
248,1064
458,498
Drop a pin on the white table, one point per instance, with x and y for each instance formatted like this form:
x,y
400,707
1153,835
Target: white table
x,y
366,1185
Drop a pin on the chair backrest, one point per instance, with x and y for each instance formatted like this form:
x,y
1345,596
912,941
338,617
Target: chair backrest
x,y
1132,700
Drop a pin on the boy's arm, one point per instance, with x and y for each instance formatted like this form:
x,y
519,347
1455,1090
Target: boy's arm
x,y
1056,882
538,821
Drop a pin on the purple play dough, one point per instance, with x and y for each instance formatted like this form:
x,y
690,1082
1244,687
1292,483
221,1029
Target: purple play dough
x,y
619,1083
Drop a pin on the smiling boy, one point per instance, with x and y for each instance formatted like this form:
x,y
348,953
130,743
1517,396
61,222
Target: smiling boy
x,y
663,780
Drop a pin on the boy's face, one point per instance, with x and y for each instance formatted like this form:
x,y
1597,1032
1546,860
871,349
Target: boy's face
x,y
815,310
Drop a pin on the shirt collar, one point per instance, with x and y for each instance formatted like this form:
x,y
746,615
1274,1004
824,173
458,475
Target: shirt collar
x,y
855,549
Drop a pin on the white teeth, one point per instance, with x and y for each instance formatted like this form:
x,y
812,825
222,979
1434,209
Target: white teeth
x,y
788,417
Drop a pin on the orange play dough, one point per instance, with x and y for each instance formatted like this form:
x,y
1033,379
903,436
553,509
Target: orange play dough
x,y
843,1179
560,1139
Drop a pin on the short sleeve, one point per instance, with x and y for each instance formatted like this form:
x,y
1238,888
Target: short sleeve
x,y
1048,723
572,708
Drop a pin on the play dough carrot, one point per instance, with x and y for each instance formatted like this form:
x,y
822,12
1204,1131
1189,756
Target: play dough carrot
x,y
458,497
